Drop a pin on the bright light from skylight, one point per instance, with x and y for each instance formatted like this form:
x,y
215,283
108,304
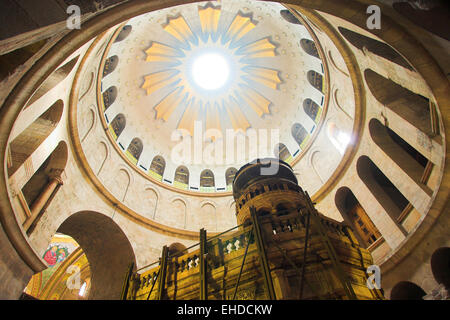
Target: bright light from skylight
x,y
210,71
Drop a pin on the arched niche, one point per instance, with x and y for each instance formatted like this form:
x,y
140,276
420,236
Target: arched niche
x,y
110,65
207,179
208,216
410,106
356,217
124,33
440,266
53,80
26,143
178,213
109,96
315,79
377,47
135,149
309,47
118,125
107,249
151,202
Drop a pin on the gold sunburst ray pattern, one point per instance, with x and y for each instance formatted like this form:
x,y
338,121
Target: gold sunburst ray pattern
x,y
246,66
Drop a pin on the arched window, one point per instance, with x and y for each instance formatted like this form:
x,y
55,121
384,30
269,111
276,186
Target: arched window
x,y
410,106
24,145
52,81
282,152
289,17
229,176
182,177
158,166
109,96
299,133
124,33
338,138
135,149
389,197
354,214
110,65
377,47
312,109
207,179
117,125
315,79
310,47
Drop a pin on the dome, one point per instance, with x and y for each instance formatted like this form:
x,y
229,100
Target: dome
x,y
130,132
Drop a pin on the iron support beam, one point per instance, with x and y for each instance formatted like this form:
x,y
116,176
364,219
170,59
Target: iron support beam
x,y
162,273
126,283
262,255
203,265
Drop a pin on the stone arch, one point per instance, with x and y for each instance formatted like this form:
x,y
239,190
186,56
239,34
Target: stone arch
x,y
309,47
440,266
118,125
312,109
135,148
89,86
379,48
410,106
103,154
42,187
335,65
411,161
315,79
208,215
289,16
207,179
179,213
110,65
124,33
107,249
91,123
406,290
389,197
356,217
339,104
26,143
109,96
176,249
120,184
53,80
315,163
151,197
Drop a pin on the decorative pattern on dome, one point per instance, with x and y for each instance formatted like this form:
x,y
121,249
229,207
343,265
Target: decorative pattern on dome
x,y
241,55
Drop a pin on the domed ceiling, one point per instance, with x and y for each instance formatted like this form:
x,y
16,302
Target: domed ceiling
x,y
203,88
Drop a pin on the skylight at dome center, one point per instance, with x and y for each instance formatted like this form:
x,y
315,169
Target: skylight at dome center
x,y
210,71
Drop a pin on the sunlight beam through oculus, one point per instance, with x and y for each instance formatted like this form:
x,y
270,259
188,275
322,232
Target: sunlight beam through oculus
x,y
210,71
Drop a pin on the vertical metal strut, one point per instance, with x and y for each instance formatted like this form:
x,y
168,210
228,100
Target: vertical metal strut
x,y
262,255
162,272
202,273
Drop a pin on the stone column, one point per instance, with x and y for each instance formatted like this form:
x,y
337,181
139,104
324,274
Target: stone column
x,y
43,198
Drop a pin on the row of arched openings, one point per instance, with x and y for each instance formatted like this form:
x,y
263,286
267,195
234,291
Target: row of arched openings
x,y
38,186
